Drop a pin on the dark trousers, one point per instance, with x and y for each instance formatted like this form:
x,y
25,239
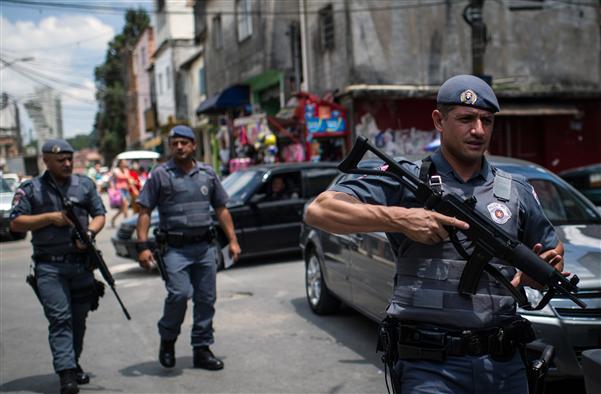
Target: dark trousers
x,y
192,274
66,320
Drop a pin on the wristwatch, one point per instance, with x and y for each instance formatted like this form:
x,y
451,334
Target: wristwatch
x,y
91,234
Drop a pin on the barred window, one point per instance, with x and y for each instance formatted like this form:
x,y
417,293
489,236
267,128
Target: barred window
x,y
326,27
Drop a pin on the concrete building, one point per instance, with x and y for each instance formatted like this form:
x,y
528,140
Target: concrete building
x,y
10,136
45,109
254,43
141,62
387,58
175,44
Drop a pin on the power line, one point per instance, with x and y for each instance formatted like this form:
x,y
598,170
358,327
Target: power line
x,y
57,46
114,9
43,83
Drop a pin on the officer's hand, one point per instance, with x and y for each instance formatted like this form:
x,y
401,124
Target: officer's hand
x,y
235,250
59,219
427,227
551,256
146,260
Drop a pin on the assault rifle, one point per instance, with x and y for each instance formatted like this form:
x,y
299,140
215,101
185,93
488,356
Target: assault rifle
x,y
489,240
94,254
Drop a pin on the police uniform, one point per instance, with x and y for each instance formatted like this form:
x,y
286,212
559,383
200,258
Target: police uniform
x,y
183,201
66,287
427,276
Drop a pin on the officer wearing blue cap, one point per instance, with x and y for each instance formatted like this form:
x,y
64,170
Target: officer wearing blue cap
x,y
183,190
65,284
447,342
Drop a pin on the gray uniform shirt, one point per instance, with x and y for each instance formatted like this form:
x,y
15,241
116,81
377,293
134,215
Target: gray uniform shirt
x,y
181,196
35,197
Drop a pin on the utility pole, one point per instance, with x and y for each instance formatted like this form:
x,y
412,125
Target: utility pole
x,y
472,14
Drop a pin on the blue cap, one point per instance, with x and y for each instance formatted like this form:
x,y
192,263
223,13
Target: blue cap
x,y
57,146
470,91
182,131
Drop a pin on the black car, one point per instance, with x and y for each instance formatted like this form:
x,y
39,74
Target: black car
x,y
265,222
587,180
359,269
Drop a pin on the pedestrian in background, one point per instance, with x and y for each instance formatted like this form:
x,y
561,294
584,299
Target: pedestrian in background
x,y
122,181
183,191
448,342
65,285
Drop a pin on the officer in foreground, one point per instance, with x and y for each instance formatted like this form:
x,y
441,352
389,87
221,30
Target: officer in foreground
x,y
183,190
447,342
65,284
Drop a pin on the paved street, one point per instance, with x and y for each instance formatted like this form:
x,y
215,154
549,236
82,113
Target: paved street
x,y
265,332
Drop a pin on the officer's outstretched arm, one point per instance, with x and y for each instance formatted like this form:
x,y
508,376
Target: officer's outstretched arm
x,y
341,213
23,223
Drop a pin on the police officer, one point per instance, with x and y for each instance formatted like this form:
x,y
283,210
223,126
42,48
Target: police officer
x,y
447,342
65,284
183,189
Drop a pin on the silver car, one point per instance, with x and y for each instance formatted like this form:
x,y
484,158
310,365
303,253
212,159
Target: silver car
x,y
358,269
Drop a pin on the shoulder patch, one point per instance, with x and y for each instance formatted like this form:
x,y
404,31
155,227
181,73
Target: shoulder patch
x,y
19,194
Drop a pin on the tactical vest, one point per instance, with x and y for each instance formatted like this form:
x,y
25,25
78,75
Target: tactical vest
x,y
186,207
426,289
53,239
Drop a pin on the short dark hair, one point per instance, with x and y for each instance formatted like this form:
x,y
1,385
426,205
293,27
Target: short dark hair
x,y
444,109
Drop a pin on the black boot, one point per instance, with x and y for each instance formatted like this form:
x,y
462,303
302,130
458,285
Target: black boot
x,y
68,382
167,353
81,376
204,358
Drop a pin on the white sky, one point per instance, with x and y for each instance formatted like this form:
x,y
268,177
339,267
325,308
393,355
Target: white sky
x,y
66,46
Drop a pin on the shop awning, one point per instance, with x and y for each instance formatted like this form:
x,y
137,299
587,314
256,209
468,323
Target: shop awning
x,y
233,97
538,110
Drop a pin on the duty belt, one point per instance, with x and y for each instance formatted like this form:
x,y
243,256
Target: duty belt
x,y
177,240
74,258
427,343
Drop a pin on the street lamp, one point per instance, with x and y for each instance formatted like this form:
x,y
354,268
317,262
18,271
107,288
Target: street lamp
x,y
22,59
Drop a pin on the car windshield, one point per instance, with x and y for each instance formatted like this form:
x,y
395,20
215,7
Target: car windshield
x,y
5,186
240,184
561,205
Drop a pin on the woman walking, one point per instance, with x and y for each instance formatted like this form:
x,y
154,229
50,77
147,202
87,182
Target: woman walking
x,y
122,181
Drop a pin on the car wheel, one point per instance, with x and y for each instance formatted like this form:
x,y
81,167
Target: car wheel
x,y
321,300
218,255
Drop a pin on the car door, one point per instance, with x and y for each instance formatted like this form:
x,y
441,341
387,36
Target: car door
x,y
372,272
337,250
279,220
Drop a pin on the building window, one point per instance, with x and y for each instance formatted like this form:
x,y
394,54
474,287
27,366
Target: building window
x,y
326,27
168,77
217,32
202,83
244,18
160,83
160,5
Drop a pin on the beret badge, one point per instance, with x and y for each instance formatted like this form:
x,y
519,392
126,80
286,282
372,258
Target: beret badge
x,y
468,97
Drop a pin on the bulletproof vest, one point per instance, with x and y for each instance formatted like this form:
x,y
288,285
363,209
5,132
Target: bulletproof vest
x,y
52,239
427,276
187,203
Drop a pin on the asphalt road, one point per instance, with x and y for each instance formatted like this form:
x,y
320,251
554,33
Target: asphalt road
x,y
265,332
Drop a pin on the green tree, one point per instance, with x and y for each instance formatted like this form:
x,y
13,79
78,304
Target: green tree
x,y
110,127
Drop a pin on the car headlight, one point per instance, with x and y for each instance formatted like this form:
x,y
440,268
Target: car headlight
x,y
534,296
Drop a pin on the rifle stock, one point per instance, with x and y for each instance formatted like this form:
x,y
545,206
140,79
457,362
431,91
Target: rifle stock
x,y
489,240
